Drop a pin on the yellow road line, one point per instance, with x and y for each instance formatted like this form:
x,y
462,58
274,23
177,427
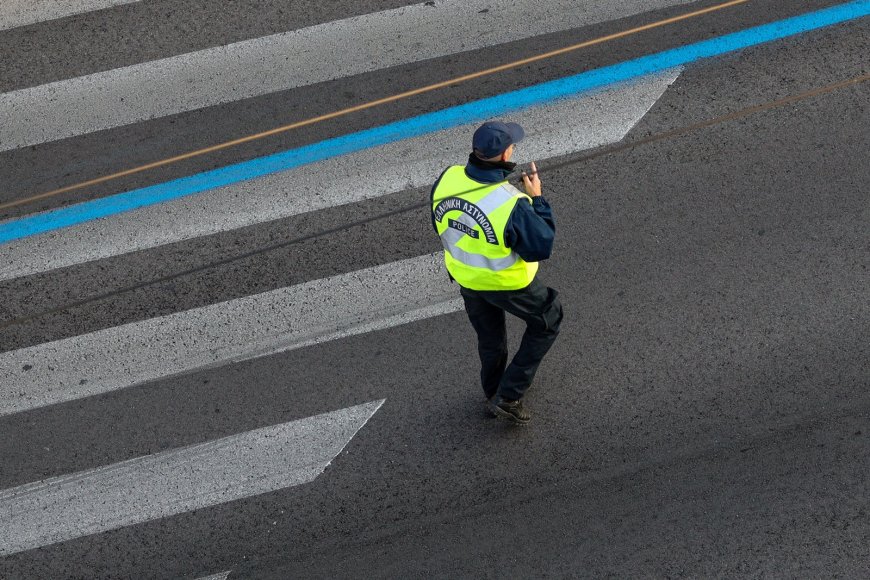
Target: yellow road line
x,y
370,104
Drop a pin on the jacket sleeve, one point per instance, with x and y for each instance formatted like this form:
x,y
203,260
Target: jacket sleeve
x,y
530,230
432,200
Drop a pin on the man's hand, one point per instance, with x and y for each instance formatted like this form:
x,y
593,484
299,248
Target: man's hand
x,y
532,184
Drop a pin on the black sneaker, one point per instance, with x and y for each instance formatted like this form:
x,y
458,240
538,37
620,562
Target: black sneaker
x,y
511,410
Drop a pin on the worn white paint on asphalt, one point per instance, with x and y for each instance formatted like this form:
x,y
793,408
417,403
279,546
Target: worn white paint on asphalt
x,y
283,61
288,318
218,576
15,13
562,128
176,481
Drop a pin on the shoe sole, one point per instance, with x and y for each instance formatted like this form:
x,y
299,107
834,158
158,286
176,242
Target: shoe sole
x,y
501,414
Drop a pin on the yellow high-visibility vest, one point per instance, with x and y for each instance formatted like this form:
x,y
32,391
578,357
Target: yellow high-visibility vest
x,y
471,218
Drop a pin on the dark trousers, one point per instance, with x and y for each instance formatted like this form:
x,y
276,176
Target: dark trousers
x,y
539,307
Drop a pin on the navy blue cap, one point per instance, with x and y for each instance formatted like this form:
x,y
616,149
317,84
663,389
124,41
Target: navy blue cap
x,y
493,137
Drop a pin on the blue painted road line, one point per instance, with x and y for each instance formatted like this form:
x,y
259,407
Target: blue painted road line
x,y
430,122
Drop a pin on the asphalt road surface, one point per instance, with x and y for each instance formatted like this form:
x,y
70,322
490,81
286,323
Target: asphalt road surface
x,y
250,364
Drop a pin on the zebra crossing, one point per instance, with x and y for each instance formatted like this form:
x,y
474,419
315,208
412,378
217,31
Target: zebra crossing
x,y
100,363
53,510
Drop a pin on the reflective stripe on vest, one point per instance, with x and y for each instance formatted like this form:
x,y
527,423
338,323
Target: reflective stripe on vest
x,y
449,239
471,218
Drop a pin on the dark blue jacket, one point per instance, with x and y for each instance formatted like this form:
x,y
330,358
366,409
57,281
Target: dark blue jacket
x,y
530,229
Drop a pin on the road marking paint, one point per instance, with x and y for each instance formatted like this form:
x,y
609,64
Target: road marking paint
x,y
553,130
535,95
218,576
176,481
280,320
250,68
15,13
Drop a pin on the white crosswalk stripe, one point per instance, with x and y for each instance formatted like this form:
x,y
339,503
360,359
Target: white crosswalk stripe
x,y
176,481
105,361
15,13
310,313
284,61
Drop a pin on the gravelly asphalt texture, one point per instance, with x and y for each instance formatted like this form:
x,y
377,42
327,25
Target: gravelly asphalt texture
x,y
705,412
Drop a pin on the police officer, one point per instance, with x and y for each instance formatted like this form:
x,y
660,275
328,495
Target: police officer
x,y
494,236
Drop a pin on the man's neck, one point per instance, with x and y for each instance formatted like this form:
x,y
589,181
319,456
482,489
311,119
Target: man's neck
x,y
488,171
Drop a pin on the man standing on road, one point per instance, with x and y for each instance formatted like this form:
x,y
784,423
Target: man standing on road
x,y
494,236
